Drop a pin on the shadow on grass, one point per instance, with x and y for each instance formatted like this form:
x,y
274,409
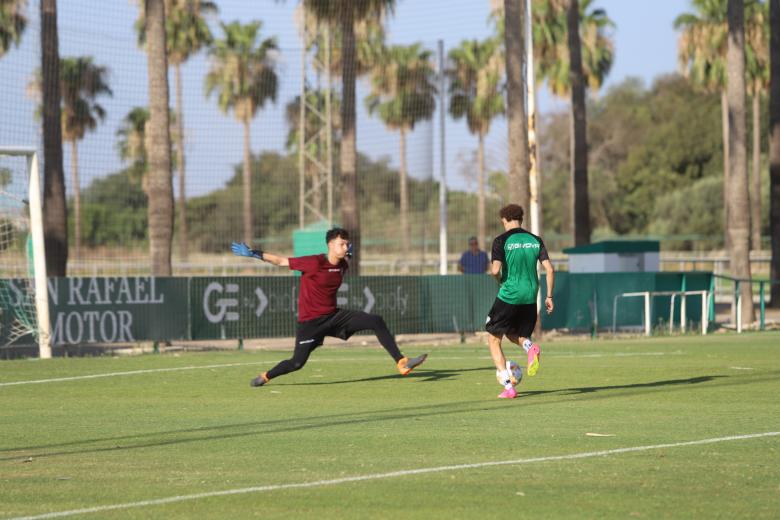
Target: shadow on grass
x,y
589,389
292,425
421,375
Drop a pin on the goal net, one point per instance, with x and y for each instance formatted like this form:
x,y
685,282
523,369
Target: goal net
x,y
24,311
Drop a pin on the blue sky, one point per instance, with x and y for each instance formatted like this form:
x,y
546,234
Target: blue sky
x,y
644,41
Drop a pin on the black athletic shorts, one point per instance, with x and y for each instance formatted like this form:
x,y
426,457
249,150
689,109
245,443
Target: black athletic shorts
x,y
341,324
506,319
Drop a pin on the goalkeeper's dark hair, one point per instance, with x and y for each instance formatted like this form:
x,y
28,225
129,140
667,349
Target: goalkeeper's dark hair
x,y
512,212
336,232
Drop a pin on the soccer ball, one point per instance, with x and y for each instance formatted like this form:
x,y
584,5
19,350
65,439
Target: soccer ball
x,y
514,369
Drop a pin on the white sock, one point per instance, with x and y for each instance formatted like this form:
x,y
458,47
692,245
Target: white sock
x,y
506,378
527,345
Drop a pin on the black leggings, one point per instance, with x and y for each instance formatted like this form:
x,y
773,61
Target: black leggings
x,y
341,324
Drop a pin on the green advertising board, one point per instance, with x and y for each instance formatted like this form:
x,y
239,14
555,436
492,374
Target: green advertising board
x,y
130,309
118,310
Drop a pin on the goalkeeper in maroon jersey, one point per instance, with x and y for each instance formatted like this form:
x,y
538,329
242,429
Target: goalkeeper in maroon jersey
x,y
318,316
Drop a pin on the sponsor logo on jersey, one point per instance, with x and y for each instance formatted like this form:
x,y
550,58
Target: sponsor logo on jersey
x,y
527,245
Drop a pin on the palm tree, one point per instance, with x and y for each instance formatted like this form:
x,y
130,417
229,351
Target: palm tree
x,y
81,82
552,64
345,14
702,50
739,219
12,23
55,210
702,57
402,95
133,143
186,34
774,144
551,45
369,41
243,75
757,66
574,52
518,159
580,206
160,191
475,93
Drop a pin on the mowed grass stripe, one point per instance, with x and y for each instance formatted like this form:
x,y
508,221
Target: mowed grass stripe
x,y
393,474
340,360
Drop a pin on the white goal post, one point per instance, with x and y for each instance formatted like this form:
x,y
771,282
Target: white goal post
x,y
37,281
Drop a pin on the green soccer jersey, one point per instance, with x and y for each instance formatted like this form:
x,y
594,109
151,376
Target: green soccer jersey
x,y
519,251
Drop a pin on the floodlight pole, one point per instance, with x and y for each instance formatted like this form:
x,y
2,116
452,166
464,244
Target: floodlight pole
x,y
533,174
533,150
443,166
302,140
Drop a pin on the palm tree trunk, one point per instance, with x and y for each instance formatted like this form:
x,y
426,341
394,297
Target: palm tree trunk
x,y
403,189
247,181
580,210
774,145
160,182
755,180
481,192
55,212
74,171
519,188
183,239
739,216
724,115
350,211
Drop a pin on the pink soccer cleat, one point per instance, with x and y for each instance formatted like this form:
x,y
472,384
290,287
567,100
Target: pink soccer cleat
x,y
533,359
509,393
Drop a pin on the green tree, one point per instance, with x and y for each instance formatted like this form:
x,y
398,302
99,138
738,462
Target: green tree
x,y
115,211
345,14
402,95
160,190
186,33
475,93
12,23
243,76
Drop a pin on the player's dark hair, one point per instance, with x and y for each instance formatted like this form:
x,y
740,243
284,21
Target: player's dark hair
x,y
336,232
512,212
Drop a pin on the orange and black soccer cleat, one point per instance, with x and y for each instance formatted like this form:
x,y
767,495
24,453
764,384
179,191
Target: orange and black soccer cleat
x,y
406,365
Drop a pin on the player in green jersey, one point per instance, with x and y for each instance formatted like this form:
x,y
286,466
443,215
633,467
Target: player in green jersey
x,y
514,257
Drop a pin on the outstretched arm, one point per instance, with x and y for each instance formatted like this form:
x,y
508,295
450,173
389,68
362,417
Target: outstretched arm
x,y
241,249
281,261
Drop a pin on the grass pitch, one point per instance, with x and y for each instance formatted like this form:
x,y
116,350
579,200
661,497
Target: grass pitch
x,y
165,436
